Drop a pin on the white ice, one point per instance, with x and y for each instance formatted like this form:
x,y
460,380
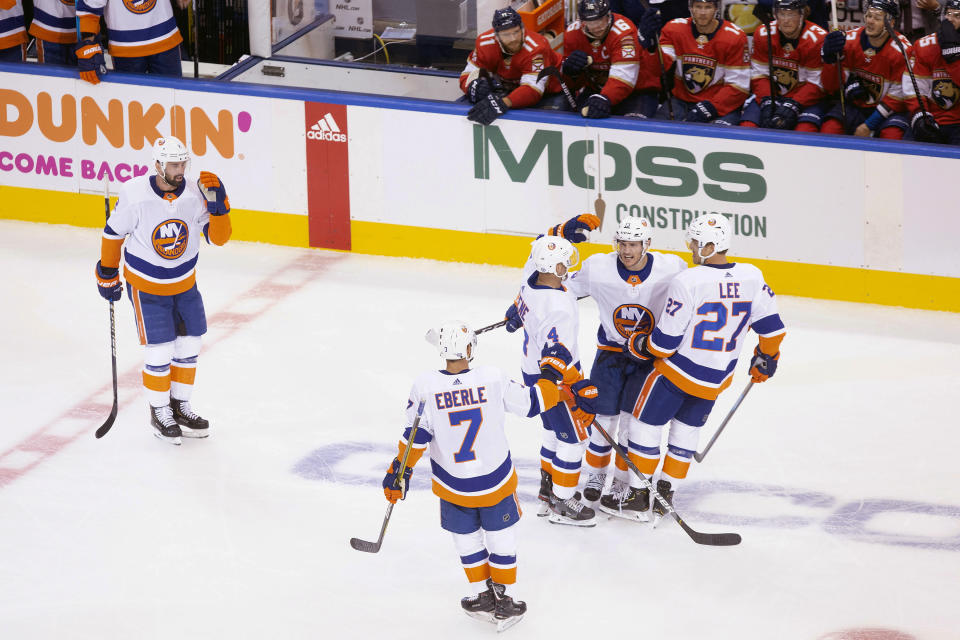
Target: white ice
x,y
840,473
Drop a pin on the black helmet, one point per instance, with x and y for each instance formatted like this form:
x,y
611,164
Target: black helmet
x,y
504,19
592,9
951,4
891,7
796,5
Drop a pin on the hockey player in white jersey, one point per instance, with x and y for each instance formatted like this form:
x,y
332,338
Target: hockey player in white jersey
x,y
629,286
164,217
472,470
548,313
696,343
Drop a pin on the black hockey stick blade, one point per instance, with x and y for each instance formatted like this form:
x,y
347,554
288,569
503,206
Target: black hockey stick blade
x,y
365,546
553,72
102,430
710,539
491,327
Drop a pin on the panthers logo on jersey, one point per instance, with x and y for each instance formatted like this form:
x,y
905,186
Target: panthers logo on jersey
x,y
787,74
630,318
139,6
873,84
170,238
698,72
945,93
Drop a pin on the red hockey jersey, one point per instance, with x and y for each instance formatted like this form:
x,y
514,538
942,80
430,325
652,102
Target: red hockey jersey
x,y
883,72
616,60
714,67
796,64
519,72
938,80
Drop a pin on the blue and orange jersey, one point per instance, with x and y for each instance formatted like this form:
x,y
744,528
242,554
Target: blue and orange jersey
x,y
54,21
163,231
462,425
13,30
135,28
703,326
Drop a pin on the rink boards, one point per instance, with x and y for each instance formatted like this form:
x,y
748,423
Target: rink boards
x,y
824,217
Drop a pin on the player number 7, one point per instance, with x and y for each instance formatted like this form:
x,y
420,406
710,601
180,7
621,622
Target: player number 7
x,y
475,416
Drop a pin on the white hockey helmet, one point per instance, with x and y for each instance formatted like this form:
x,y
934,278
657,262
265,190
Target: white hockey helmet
x,y
549,251
634,230
453,338
710,228
170,149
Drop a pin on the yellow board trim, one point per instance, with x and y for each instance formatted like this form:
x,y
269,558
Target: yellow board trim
x,y
893,288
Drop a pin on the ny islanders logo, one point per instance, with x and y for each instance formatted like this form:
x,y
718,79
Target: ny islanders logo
x,y
628,318
139,6
170,238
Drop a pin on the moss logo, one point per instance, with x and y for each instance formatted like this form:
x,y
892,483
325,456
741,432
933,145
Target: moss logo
x,y
672,172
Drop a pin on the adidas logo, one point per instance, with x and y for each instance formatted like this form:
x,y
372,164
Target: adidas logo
x,y
728,275
457,381
326,128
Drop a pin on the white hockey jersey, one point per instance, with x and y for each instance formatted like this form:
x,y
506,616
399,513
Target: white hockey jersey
x,y
135,28
462,424
164,231
703,325
54,21
624,297
550,316
13,30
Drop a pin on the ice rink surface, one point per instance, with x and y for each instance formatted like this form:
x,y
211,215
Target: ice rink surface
x,y
841,473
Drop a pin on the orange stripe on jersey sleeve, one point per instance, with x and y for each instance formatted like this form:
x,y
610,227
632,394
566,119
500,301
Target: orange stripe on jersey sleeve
x,y
110,252
657,353
477,500
138,51
89,23
220,229
414,458
771,346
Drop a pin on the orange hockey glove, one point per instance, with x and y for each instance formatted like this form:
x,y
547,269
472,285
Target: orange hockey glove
x,y
576,228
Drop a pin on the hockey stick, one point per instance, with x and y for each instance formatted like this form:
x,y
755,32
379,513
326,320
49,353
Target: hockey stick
x,y
553,72
710,539
373,547
888,22
843,99
703,454
196,39
102,431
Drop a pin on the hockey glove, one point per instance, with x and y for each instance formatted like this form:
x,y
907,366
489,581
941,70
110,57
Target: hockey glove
x,y
597,106
574,64
854,89
786,115
649,28
949,40
585,396
108,282
925,128
479,89
703,111
90,60
514,321
487,110
395,488
576,228
767,107
833,44
635,347
554,361
763,366
212,189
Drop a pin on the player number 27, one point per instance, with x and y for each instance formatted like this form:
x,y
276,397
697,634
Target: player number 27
x,y
475,418
719,310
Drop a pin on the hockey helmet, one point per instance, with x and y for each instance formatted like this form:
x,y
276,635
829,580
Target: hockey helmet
x,y
589,10
795,5
951,5
453,340
634,230
715,3
504,19
549,251
170,149
710,228
891,7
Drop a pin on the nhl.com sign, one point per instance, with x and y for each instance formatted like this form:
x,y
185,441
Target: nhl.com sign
x,y
326,129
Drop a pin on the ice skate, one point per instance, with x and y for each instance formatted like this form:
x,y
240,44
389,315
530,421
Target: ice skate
x,y
663,488
571,511
508,612
164,426
546,490
629,503
594,487
482,605
191,425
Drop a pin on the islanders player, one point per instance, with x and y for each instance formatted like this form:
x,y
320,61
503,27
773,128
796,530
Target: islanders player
x,y
548,313
712,66
877,85
629,286
164,218
602,60
473,473
796,103
696,343
501,71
